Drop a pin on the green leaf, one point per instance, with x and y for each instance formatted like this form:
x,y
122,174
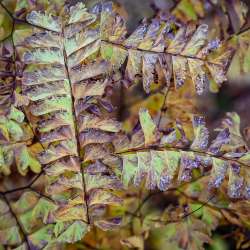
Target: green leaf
x,y
42,238
114,54
186,7
43,210
218,172
129,168
157,167
6,159
44,20
201,134
73,233
16,115
24,160
148,127
210,216
14,129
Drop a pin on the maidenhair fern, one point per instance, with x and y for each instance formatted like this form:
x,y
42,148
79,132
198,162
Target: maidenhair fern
x,y
65,162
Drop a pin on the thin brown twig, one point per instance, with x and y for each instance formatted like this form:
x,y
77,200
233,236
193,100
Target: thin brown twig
x,y
23,187
203,204
149,196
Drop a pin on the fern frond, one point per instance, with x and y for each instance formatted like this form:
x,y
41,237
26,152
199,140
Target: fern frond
x,y
64,78
156,48
174,161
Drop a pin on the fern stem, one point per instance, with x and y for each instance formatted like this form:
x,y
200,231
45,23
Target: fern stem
x,y
6,9
179,149
161,53
76,133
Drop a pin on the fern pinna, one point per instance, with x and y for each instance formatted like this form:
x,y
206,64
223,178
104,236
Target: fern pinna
x,y
64,161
